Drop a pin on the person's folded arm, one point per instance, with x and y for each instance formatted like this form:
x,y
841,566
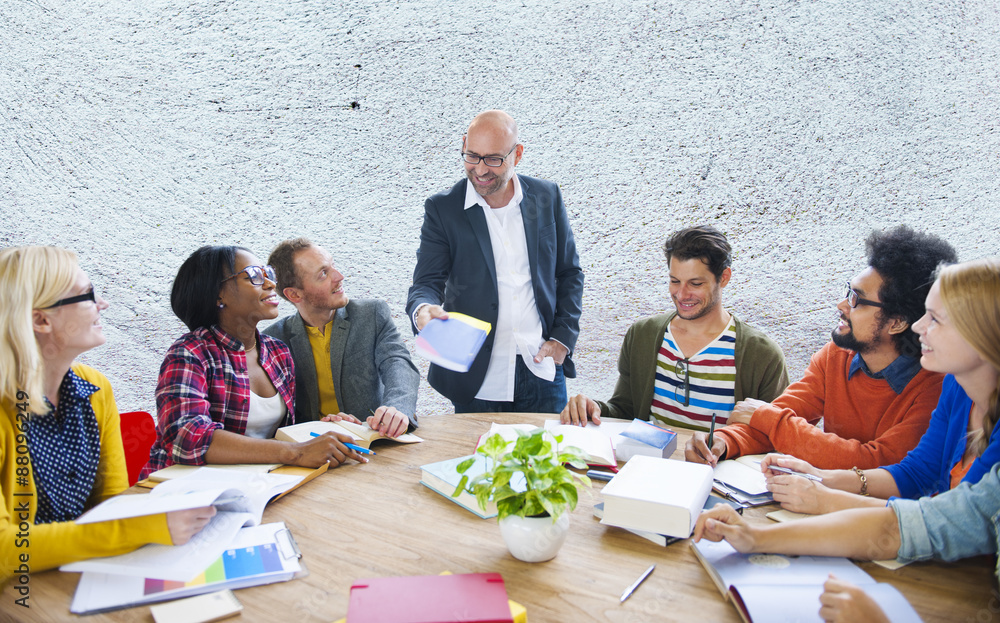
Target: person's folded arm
x,y
800,437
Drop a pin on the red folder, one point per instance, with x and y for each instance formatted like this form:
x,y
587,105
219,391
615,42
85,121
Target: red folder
x,y
466,598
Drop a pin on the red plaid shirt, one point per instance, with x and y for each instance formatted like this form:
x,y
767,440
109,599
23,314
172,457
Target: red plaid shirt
x,y
204,386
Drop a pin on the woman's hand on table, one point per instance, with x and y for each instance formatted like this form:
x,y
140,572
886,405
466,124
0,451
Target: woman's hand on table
x,y
327,448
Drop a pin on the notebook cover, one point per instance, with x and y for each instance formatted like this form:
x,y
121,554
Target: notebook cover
x,y
452,343
466,598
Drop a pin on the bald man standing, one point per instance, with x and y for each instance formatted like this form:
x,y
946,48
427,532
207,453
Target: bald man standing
x,y
498,247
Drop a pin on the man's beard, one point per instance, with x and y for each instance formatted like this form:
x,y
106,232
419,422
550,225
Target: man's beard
x,y
850,342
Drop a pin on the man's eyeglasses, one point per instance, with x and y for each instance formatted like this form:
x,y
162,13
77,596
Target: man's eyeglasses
x,y
853,299
491,161
90,295
256,274
682,370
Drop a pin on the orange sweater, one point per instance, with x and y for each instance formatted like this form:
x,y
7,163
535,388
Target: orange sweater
x,y
866,424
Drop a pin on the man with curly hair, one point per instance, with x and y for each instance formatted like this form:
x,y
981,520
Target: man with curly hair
x,y
866,384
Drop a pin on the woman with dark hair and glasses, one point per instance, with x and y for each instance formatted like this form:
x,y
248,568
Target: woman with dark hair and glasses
x,y
60,442
224,388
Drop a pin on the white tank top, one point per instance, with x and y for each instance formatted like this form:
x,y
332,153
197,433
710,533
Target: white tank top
x,y
266,415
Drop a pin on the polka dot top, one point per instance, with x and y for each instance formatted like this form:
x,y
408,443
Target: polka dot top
x,y
65,449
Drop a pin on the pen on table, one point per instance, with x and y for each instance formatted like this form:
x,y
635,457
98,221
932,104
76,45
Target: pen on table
x,y
352,446
631,589
786,470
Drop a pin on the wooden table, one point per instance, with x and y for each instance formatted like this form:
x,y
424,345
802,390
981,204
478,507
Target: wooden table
x,y
377,520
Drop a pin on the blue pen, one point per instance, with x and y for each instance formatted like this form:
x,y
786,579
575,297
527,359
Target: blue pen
x,y
352,446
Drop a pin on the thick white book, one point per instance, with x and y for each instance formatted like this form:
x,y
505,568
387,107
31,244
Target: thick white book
x,y
657,495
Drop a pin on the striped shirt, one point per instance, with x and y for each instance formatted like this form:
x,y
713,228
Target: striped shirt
x,y
688,390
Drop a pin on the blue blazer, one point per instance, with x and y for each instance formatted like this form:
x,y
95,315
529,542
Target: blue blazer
x,y
455,269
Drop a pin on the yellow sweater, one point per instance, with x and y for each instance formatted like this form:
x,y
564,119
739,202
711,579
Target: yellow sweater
x,y
26,547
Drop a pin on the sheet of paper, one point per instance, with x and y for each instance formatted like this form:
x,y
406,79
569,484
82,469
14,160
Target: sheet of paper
x,y
742,477
125,506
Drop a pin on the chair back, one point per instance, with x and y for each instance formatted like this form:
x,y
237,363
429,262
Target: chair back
x,y
138,435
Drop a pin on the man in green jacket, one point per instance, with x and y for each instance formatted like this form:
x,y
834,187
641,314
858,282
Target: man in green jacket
x,y
680,368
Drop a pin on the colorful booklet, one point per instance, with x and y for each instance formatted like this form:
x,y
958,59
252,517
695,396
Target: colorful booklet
x,y
452,343
257,555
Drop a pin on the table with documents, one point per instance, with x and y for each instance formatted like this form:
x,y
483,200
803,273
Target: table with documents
x,y
377,520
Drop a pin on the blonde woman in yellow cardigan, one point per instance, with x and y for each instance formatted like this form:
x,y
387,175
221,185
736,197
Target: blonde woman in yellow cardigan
x,y
60,443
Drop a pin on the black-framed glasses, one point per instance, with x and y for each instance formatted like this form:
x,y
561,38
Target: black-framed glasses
x,y
90,295
682,370
854,299
256,274
491,161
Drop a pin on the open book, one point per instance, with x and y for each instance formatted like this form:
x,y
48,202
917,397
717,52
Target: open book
x,y
597,446
627,438
227,490
362,434
771,587
239,498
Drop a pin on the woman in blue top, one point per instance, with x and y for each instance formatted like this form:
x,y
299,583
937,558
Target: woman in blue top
x,y
959,336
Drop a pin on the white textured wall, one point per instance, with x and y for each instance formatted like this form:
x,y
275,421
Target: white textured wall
x,y
134,132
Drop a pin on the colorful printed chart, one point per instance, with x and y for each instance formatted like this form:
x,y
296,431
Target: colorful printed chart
x,y
232,565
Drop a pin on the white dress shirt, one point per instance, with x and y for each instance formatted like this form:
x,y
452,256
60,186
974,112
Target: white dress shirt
x,y
519,326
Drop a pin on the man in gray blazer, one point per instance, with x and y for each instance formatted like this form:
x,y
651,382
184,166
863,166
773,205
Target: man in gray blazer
x,y
350,361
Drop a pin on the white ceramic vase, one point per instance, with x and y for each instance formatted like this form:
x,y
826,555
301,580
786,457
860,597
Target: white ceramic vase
x,y
534,539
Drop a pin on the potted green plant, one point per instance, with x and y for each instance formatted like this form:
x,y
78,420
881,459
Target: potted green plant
x,y
531,487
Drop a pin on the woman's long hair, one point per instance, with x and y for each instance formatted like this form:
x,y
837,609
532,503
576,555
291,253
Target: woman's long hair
x,y
970,292
30,278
